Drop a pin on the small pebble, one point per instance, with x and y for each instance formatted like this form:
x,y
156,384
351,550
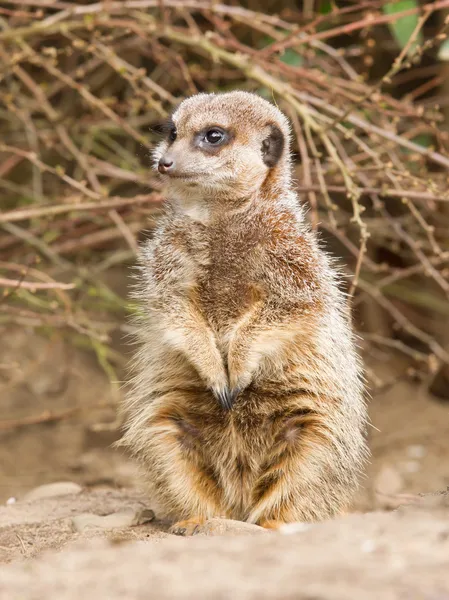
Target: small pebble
x,y
219,526
290,528
411,466
368,546
11,500
388,481
118,520
50,490
141,517
416,451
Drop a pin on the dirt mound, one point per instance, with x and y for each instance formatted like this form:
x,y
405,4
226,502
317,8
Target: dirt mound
x,y
394,555
28,528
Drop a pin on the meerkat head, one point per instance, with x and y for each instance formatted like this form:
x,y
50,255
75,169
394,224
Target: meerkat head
x,y
223,146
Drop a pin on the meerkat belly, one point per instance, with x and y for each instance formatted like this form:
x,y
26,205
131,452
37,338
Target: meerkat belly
x,y
226,449
237,466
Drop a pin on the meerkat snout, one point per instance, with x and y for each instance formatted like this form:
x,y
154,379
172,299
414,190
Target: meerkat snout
x,y
222,147
165,164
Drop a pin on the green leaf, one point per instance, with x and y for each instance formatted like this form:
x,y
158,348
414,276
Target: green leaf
x,y
265,93
50,236
326,7
403,27
265,41
292,58
423,139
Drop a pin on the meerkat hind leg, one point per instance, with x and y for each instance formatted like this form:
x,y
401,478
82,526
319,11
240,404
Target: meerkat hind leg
x,y
270,524
303,478
179,465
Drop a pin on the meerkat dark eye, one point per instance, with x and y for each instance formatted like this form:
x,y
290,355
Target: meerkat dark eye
x,y
211,139
173,134
214,136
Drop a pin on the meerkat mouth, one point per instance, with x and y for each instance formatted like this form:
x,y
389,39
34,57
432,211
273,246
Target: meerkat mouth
x,y
183,175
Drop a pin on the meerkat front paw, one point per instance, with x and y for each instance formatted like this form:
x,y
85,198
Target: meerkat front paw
x,y
213,372
239,378
242,366
187,527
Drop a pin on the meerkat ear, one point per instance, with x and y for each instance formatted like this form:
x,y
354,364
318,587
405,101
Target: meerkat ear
x,y
162,127
272,147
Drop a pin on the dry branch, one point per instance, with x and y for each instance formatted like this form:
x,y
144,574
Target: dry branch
x,y
59,209
34,285
81,85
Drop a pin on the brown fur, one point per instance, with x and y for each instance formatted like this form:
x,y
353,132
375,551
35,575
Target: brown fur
x,y
240,300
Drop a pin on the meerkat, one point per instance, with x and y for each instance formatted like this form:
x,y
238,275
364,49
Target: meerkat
x,y
247,396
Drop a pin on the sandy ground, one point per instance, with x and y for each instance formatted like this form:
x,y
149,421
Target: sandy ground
x,y
96,543
388,555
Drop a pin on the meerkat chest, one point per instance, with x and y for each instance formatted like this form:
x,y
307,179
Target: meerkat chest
x,y
217,265
228,284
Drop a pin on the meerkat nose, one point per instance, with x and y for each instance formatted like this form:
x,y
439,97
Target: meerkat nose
x,y
165,164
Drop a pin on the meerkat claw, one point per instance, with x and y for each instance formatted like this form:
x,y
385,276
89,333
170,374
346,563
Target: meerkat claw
x,y
226,397
187,528
235,392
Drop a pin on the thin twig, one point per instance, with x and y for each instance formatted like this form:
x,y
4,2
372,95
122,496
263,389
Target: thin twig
x,y
59,209
50,417
34,285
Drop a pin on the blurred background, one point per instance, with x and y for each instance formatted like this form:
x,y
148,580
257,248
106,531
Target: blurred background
x,y
83,87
